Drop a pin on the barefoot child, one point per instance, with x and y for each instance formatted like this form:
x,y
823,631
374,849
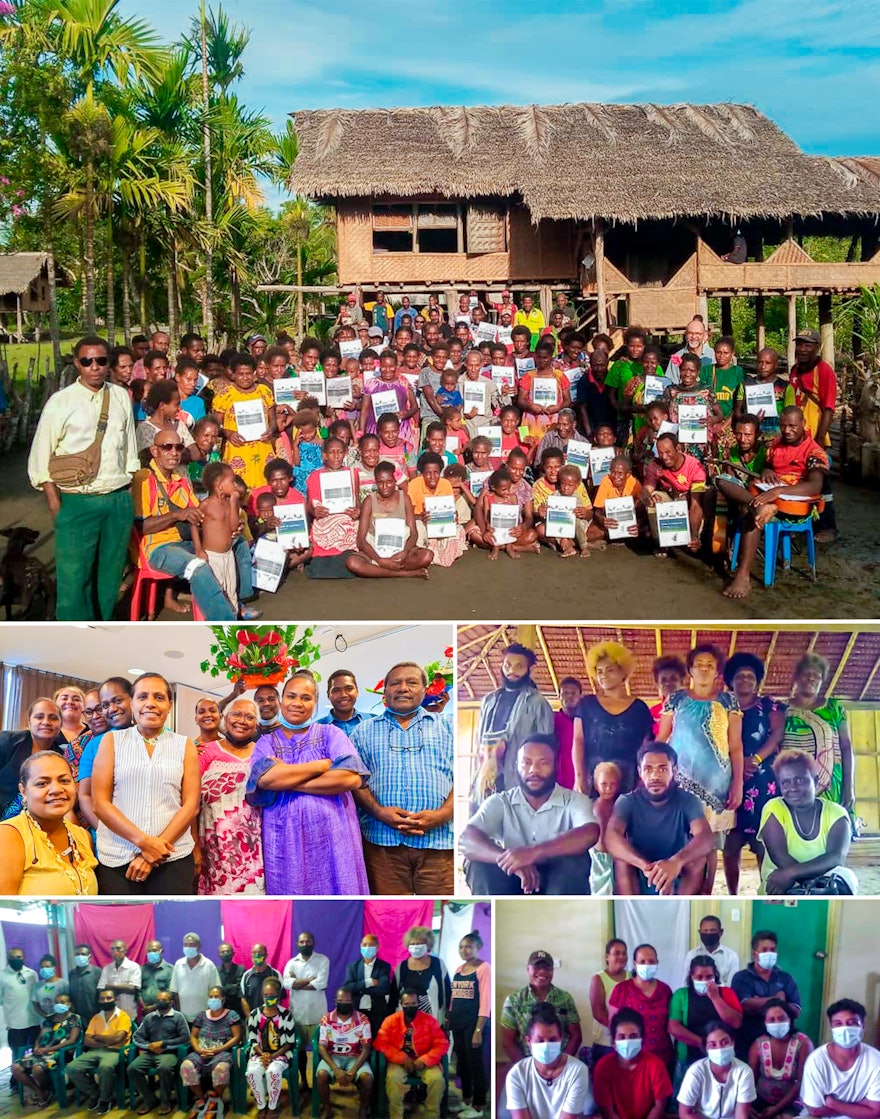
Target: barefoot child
x,y
499,491
213,538
430,483
569,484
387,503
606,782
618,482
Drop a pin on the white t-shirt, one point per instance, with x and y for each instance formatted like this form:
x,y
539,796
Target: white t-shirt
x,y
569,1092
823,1078
711,1097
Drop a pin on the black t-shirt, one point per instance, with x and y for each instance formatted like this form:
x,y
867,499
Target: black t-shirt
x,y
614,738
501,716
595,398
658,832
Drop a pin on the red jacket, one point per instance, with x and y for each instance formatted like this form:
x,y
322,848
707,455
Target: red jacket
x,y
429,1041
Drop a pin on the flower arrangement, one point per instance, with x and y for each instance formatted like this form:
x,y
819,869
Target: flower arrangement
x,y
440,679
260,654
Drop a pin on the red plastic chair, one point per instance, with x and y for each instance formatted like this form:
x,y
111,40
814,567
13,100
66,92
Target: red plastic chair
x,y
147,579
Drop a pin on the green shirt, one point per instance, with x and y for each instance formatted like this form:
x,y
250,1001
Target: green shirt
x,y
154,978
725,383
518,1009
622,372
757,464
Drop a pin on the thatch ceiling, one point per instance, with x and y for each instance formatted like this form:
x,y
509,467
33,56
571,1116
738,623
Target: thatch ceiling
x,y
621,162
853,657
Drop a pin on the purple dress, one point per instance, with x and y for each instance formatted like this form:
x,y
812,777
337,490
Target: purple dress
x,y
311,843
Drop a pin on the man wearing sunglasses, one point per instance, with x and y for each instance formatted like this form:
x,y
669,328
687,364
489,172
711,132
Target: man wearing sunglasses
x,y
93,518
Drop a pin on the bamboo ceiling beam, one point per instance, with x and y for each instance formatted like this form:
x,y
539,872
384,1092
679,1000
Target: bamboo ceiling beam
x,y
474,640
870,680
542,641
583,648
832,684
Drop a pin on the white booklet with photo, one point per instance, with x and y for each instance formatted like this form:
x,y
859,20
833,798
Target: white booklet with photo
x,y
339,391
692,423
391,535
502,518
336,490
452,445
385,400
293,530
761,398
441,516
673,526
285,389
503,376
268,561
524,365
600,462
574,375
350,349
505,335
559,520
477,479
577,453
486,332
544,392
412,379
654,388
314,383
250,420
622,510
476,395
493,434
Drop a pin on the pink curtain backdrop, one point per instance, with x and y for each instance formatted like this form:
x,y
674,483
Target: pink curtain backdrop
x,y
247,922
99,925
389,920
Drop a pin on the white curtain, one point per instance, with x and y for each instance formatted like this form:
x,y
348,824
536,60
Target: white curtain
x,y
452,928
663,922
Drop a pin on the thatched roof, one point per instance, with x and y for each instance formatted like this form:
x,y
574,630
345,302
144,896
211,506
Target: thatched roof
x,y
621,162
19,270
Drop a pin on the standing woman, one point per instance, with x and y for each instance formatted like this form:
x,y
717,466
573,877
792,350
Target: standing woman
x,y
43,728
74,732
424,973
762,726
469,1011
611,725
601,986
703,724
229,827
651,997
816,723
145,785
208,721
302,776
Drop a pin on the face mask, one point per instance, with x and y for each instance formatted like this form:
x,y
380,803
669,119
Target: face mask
x,y
190,952
767,960
701,986
409,1013
60,1007
418,951
344,1008
107,1006
646,971
47,972
154,957
847,1037
546,1052
778,1029
368,951
81,961
215,1004
627,1048
270,1000
710,940
164,1007
258,960
293,726
267,722
15,963
722,1057
226,958
305,950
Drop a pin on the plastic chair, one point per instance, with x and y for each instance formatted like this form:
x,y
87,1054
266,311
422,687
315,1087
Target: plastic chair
x,y
237,1082
147,579
56,1075
180,1050
291,1079
778,532
316,1057
379,1073
119,1083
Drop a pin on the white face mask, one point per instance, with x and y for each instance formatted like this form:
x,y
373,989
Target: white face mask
x,y
546,1052
629,1047
701,986
722,1057
847,1037
418,951
767,960
778,1029
646,971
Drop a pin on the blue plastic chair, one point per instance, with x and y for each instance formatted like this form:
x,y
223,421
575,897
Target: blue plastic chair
x,y
778,532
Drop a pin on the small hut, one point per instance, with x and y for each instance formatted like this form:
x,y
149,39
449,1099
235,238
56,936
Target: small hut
x,y
24,285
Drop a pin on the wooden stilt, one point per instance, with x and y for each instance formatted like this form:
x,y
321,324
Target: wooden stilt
x,y
826,330
760,324
599,253
792,327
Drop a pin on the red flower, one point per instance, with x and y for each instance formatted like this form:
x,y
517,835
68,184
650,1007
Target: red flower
x,y
281,653
380,686
236,661
246,637
447,652
437,688
676,359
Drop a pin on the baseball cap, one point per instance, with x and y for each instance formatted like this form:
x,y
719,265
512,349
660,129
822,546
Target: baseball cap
x,y
808,336
541,957
352,298
256,338
376,332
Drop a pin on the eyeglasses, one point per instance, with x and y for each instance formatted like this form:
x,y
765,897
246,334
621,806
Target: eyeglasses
x,y
170,446
89,711
85,362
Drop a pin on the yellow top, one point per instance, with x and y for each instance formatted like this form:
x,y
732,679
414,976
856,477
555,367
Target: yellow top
x,y
46,872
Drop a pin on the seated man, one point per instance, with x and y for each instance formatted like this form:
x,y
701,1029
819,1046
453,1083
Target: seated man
x,y
107,1035
414,1046
164,508
676,476
549,1083
658,835
842,1078
344,1045
796,467
630,1084
533,838
156,1038
518,1007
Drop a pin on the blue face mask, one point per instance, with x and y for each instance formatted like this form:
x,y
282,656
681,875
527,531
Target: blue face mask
x,y
368,951
60,1007
700,986
293,726
190,951
47,972
155,957
81,961
215,1004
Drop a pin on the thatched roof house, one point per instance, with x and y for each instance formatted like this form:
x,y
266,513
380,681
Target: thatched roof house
x,y
24,282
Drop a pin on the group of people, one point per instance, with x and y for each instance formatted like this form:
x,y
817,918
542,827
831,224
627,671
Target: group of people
x,y
724,1045
608,795
401,443
194,1020
98,795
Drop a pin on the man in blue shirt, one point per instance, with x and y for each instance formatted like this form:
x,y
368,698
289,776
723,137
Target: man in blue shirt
x,y
406,813
757,984
342,691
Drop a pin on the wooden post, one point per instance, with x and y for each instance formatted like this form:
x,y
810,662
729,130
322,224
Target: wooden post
x,y
599,254
19,324
545,300
792,328
726,315
826,330
760,324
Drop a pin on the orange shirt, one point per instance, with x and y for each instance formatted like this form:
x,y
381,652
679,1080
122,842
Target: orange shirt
x,y
418,491
631,488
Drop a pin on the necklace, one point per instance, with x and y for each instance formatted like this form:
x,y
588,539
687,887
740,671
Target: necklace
x,y
813,830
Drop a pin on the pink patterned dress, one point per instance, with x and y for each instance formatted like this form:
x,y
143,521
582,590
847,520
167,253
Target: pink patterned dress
x,y
229,828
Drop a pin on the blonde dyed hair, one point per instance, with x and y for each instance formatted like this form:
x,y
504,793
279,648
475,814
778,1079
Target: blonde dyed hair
x,y
610,769
419,932
611,651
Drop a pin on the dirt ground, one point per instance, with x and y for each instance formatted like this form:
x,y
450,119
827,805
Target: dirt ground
x,y
613,585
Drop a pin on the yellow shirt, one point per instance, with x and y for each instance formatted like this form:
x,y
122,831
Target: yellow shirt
x,y
534,320
149,501
48,874
119,1020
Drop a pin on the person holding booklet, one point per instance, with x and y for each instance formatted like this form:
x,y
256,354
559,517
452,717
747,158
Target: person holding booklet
x,y
567,515
694,408
247,415
543,390
332,503
618,485
766,394
679,476
387,535
433,504
480,395
497,514
390,394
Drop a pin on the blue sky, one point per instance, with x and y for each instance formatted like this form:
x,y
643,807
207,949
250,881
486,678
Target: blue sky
x,y
813,66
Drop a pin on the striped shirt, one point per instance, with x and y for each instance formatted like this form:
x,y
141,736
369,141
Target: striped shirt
x,y
410,769
148,791
271,1033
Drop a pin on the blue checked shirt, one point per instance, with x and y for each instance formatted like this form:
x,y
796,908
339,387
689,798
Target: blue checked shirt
x,y
409,769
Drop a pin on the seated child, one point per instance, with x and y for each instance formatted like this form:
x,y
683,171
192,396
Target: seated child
x,y
552,461
607,780
618,482
385,503
499,491
456,474
213,538
447,394
435,440
645,439
569,484
455,430
430,483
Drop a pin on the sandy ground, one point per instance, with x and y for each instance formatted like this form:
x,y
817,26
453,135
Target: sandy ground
x,y
613,585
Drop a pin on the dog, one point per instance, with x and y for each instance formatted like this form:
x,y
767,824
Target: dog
x,y
25,577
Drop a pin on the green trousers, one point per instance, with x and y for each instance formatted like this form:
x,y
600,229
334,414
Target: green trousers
x,y
92,532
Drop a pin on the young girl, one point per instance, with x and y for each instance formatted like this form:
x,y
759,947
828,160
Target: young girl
x,y
511,440
333,535
435,440
569,484
247,458
407,406
305,446
498,491
341,429
455,429
429,483
392,448
351,368
387,502
212,539
456,475
690,391
607,783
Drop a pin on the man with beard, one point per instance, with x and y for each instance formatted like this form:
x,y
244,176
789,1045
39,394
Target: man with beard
x,y
509,716
115,703
658,836
533,838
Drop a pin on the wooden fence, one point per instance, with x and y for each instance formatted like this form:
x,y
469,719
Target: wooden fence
x,y
26,398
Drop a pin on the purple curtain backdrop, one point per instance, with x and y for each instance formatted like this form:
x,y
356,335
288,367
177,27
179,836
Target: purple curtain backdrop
x,y
174,919
337,926
483,925
33,940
